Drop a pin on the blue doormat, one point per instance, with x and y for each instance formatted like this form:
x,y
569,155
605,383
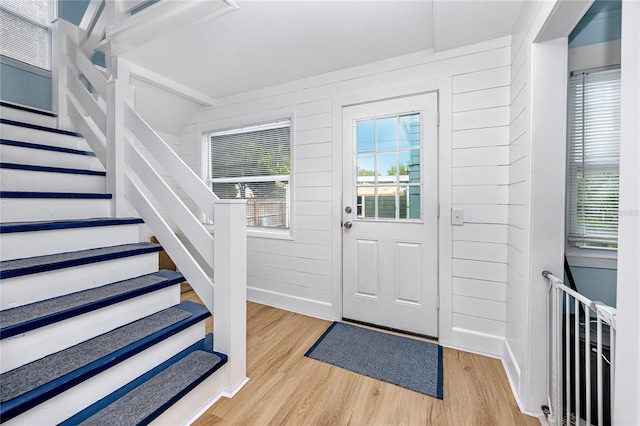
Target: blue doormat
x,y
409,363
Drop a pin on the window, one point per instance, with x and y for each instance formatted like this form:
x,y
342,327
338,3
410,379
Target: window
x,y
593,159
254,163
25,31
388,168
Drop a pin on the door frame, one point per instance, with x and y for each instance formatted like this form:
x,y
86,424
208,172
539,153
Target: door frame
x,y
444,89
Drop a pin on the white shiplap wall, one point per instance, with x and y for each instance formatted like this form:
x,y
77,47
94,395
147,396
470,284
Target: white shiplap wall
x,y
480,187
303,272
521,319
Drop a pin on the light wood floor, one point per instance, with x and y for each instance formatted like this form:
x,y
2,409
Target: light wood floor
x,y
286,388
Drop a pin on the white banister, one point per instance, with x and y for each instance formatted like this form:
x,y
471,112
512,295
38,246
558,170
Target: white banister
x,y
87,68
120,95
62,31
190,226
90,15
96,36
230,262
100,103
88,103
91,134
170,161
193,273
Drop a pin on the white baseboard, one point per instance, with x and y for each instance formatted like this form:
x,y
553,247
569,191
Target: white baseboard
x,y
300,305
480,343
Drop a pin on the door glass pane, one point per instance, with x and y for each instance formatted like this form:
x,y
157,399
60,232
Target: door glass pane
x,y
409,131
365,135
386,133
366,169
387,167
386,202
388,182
411,202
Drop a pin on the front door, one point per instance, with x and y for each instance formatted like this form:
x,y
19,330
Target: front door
x,y
390,214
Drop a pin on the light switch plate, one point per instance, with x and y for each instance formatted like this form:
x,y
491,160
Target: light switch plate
x,y
457,217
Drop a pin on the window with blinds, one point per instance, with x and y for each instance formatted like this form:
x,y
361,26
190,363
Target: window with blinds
x,y
593,159
254,163
25,31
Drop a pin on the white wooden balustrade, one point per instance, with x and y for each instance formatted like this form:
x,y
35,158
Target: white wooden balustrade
x,y
100,104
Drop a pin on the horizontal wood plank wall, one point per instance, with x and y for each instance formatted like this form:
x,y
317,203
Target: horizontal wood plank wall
x,y
519,228
300,274
480,187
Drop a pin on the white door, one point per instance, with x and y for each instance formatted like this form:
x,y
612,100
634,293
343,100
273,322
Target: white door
x,y
390,214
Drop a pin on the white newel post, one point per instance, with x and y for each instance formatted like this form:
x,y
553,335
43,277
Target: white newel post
x,y
230,289
62,31
119,93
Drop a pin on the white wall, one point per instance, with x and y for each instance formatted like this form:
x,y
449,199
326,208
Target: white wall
x,y
535,162
303,272
627,409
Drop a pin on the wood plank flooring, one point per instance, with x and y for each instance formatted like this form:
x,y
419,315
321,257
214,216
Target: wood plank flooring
x,y
286,388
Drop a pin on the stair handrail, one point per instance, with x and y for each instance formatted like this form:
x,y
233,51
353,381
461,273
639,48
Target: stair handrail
x,y
100,103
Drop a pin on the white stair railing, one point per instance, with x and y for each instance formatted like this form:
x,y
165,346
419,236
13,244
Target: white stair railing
x,y
582,337
100,104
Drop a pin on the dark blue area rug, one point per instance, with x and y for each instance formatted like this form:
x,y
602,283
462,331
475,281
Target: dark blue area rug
x,y
409,363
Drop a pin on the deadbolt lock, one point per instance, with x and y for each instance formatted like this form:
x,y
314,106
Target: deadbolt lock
x,y
347,209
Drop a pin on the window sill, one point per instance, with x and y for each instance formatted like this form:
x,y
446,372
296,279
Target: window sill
x,y
274,234
592,258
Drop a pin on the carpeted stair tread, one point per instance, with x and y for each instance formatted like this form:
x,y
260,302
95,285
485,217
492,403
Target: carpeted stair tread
x,y
141,403
9,227
36,382
28,317
32,265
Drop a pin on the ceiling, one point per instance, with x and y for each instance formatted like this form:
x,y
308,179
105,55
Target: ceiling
x,y
265,43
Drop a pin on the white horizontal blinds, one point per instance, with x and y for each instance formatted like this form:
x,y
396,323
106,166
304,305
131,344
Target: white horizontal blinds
x,y
254,163
594,157
25,31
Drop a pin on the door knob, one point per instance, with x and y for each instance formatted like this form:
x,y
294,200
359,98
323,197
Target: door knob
x,y
348,225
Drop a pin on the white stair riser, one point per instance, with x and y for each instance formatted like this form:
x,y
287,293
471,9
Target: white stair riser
x,y
194,404
41,157
31,181
84,394
30,346
19,291
35,209
24,134
27,117
18,245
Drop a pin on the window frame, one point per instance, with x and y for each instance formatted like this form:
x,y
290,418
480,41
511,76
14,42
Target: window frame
x,y
24,66
236,124
594,257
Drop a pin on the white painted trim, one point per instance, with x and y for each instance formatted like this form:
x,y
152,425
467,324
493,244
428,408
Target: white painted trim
x,y
594,56
162,18
170,85
300,305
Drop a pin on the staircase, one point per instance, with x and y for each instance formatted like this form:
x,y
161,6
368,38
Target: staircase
x,y
90,331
